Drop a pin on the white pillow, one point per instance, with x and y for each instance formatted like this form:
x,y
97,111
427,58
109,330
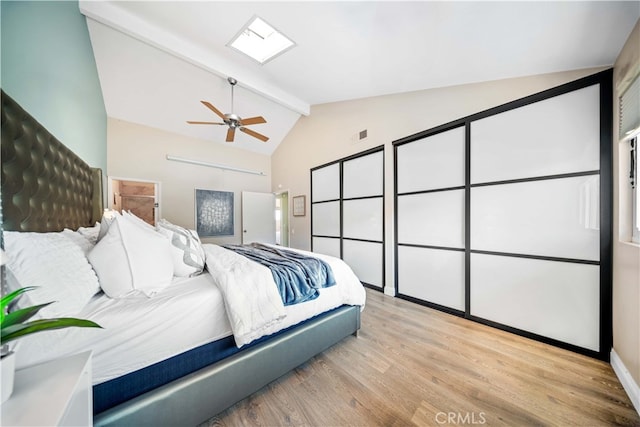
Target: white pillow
x,y
137,220
91,233
107,218
186,249
56,265
130,260
83,243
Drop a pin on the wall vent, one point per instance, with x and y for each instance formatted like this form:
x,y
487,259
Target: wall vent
x,y
363,134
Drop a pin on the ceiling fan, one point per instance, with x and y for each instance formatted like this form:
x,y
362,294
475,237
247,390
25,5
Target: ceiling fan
x,y
233,120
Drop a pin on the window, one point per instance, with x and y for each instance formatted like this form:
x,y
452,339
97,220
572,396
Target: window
x,y
635,197
630,130
261,41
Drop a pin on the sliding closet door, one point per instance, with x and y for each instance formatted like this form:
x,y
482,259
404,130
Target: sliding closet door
x,y
535,226
430,208
348,213
326,210
504,217
363,217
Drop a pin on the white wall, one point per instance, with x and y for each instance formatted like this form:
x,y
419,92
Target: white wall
x,y
626,256
139,152
329,133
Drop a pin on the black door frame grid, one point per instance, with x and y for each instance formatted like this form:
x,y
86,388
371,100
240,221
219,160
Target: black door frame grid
x,y
604,79
341,199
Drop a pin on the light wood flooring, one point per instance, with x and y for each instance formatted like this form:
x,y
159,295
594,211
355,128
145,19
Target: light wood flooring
x,y
411,365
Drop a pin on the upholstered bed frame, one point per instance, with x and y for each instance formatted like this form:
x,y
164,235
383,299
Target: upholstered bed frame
x,y
46,187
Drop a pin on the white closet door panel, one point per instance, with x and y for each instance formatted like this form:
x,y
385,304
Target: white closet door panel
x,y
435,219
432,275
365,259
326,183
431,163
362,219
557,217
363,176
326,246
554,299
554,136
326,219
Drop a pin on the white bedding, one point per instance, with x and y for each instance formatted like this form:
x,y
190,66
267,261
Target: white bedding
x,y
139,331
254,306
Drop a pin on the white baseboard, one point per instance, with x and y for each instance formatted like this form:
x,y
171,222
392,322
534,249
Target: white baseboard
x,y
627,381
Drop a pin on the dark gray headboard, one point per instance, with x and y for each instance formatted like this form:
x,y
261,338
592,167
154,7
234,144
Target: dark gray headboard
x,y
45,186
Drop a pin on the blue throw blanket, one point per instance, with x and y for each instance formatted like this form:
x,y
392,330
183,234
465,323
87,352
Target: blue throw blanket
x,y
298,277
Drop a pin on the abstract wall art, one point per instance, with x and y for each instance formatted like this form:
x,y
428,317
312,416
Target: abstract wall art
x,y
214,213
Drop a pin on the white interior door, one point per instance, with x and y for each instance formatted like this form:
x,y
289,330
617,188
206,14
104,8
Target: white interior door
x,y
258,217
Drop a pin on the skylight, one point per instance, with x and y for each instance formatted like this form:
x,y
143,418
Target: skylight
x,y
261,41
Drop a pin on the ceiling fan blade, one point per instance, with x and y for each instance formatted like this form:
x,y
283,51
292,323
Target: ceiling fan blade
x,y
254,134
231,133
212,108
191,122
253,121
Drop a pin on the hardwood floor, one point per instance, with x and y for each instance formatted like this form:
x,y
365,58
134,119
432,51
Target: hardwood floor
x,y
411,365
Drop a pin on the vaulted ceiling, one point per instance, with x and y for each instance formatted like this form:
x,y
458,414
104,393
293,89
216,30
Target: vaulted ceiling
x,y
158,59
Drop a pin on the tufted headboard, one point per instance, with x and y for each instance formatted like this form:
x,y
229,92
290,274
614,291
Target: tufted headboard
x,y
45,186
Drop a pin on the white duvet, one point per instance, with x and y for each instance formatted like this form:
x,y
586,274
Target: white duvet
x,y
253,304
140,331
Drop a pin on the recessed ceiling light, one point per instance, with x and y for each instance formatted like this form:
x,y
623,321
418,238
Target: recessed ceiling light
x,y
260,41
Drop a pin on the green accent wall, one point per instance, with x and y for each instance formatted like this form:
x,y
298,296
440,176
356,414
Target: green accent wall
x,y
48,67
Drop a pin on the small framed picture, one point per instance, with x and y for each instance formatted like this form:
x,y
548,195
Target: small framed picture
x,y
299,206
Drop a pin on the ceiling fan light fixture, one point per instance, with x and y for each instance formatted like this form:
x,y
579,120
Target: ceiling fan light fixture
x,y
260,41
232,120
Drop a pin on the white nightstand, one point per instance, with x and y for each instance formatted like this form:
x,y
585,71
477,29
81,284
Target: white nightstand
x,y
55,393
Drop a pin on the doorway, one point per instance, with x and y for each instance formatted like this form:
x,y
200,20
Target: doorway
x,y
257,217
140,197
282,218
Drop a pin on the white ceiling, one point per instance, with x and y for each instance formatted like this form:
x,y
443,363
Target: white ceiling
x,y
157,59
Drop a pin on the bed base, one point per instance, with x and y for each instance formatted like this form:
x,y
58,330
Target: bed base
x,y
203,394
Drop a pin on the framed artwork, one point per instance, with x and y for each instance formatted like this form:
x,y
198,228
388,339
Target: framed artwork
x,y
214,213
299,203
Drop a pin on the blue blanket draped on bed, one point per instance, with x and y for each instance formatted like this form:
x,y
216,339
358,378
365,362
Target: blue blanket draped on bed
x,y
298,277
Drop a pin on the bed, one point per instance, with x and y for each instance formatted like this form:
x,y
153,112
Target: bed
x,y
198,360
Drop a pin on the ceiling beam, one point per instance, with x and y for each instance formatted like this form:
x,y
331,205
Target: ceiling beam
x,y
112,15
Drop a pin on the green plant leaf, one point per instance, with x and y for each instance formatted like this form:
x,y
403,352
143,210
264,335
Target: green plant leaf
x,y
22,315
13,326
16,331
6,300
